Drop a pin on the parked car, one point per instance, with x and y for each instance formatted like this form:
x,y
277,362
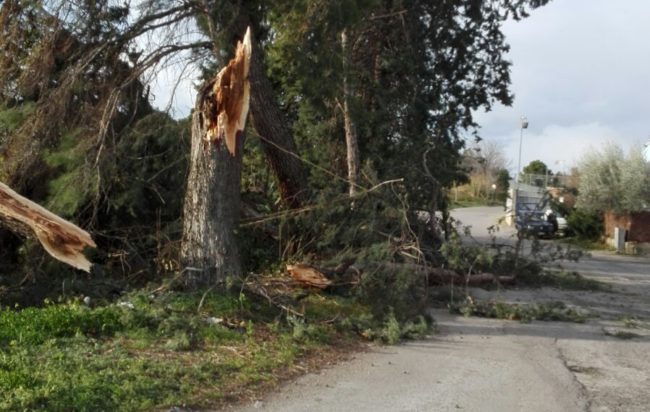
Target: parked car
x,y
534,224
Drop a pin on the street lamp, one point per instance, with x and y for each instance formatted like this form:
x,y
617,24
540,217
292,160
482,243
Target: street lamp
x,y
524,125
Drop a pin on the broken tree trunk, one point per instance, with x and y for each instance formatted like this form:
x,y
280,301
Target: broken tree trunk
x,y
209,251
61,239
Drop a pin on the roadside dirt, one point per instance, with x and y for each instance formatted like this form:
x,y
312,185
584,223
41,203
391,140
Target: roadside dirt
x,y
493,365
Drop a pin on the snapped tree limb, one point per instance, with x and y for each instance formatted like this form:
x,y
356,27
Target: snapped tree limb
x,y
227,110
60,238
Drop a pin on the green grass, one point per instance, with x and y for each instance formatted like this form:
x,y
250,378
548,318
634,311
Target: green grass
x,y
155,352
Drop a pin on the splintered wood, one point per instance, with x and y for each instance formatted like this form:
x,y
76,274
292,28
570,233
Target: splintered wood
x,y
226,107
308,276
60,238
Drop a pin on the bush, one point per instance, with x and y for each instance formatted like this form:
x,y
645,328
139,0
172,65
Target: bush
x,y
585,225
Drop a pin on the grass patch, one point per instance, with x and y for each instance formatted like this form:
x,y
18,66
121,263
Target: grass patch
x,y
155,352
141,354
546,311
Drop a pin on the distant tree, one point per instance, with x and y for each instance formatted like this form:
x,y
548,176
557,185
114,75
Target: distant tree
x,y
503,184
536,167
610,181
484,162
535,173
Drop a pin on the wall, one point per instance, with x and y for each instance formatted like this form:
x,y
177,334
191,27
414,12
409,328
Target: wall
x,y
637,225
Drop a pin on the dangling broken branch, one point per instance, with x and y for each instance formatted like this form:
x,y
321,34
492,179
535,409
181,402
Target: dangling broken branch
x,y
60,238
225,100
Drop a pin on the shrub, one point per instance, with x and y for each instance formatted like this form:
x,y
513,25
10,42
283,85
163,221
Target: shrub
x,y
585,224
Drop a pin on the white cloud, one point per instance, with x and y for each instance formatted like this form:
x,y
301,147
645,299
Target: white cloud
x,y
560,147
580,74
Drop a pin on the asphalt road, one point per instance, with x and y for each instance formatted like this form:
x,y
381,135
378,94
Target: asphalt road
x,y
476,364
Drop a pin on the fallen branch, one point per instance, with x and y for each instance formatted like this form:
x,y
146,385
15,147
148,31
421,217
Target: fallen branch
x,y
62,239
308,276
440,276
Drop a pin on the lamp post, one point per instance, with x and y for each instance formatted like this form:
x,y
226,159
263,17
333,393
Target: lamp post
x,y
515,199
524,125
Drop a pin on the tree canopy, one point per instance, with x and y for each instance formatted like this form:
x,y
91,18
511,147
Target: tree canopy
x,y
610,181
77,130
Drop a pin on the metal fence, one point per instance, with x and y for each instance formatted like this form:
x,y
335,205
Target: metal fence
x,y
546,180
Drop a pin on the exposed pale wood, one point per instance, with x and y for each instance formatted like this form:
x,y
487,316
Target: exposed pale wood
x,y
308,276
227,110
62,239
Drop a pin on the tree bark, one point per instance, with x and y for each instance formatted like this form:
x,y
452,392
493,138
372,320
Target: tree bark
x,y
351,141
277,141
209,251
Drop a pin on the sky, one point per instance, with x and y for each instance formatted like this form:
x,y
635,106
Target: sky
x,y
580,74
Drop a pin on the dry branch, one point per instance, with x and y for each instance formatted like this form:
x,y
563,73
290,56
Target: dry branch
x,y
60,238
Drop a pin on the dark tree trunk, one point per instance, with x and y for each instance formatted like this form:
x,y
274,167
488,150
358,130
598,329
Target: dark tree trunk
x,y
277,141
209,251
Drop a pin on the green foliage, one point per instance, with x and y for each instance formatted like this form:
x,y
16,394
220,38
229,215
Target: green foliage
x,y
547,311
391,332
72,187
402,131
561,280
585,224
503,184
611,181
536,167
11,118
465,258
147,171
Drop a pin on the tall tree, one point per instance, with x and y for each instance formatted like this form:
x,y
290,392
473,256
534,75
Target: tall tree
x,y
209,251
611,181
418,70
